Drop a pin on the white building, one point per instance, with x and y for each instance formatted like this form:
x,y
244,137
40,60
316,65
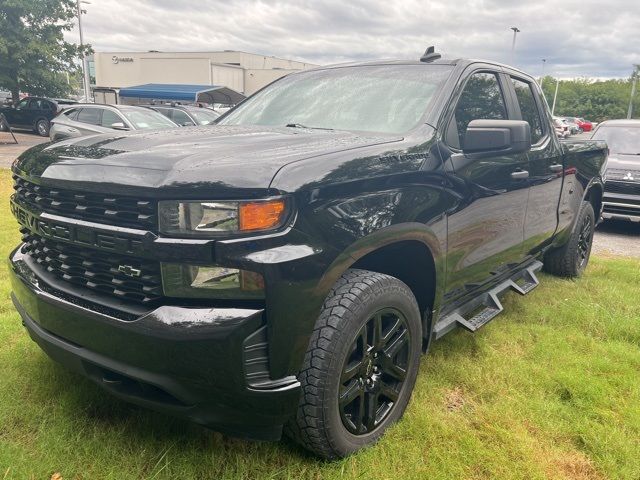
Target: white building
x,y
241,71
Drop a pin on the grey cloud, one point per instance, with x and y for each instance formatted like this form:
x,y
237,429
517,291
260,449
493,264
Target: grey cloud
x,y
578,38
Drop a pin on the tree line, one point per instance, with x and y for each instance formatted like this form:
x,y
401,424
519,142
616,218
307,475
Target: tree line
x,y
595,100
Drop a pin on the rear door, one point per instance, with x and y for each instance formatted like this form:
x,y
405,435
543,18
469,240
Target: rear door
x,y
485,229
545,164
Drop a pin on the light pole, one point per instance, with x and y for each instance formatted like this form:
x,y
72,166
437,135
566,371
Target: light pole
x,y
85,64
633,90
513,44
555,96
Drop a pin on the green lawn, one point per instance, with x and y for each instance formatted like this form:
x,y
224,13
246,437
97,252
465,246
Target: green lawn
x,y
550,389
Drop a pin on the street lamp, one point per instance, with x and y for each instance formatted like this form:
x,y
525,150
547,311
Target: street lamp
x,y
513,45
85,65
633,90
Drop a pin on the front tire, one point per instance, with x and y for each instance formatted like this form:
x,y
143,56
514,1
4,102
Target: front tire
x,y
361,365
571,259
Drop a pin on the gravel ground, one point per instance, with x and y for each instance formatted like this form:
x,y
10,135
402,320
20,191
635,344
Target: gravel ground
x,y
9,151
617,237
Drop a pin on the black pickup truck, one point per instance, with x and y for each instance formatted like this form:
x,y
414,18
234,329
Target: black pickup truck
x,y
284,269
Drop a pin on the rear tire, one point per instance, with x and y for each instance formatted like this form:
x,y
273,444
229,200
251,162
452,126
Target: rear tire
x,y
361,365
571,259
42,127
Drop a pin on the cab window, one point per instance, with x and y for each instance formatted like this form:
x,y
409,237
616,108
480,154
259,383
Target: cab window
x,y
481,98
89,115
109,118
528,108
181,118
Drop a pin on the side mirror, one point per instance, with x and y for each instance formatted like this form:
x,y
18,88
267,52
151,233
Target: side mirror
x,y
497,137
119,126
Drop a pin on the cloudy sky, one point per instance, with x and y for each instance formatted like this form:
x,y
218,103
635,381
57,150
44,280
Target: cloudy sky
x,y
577,37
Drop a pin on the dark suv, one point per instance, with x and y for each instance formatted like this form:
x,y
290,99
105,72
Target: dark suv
x,y
286,267
32,113
622,188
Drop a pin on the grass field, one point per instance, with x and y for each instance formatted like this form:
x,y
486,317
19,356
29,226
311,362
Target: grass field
x,y
551,389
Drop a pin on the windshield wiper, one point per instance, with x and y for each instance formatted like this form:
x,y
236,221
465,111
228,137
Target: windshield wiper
x,y
299,125
625,153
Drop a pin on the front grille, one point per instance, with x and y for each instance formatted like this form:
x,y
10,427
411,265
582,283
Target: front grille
x,y
92,207
623,187
96,270
622,174
628,210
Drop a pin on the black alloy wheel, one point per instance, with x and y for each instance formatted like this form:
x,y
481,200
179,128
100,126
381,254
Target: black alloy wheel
x,y
585,238
361,364
374,372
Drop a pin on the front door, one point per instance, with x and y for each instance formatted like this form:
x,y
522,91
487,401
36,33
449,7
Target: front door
x,y
485,227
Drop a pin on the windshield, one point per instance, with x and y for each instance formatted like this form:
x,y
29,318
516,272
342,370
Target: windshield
x,y
621,140
144,118
204,116
382,98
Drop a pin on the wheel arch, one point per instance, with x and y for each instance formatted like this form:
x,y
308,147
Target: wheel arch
x,y
593,195
410,252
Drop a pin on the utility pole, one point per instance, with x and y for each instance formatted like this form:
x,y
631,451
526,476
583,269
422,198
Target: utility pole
x,y
513,45
555,96
633,90
85,64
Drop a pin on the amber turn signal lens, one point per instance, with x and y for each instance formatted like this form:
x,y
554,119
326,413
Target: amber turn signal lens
x,y
261,215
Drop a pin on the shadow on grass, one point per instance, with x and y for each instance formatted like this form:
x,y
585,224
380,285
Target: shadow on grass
x,y
82,402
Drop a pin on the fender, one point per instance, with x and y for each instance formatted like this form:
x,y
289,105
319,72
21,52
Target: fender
x,y
384,237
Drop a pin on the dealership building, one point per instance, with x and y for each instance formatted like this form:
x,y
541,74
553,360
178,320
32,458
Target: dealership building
x,y
241,71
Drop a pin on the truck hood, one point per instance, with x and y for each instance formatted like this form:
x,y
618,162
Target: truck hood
x,y
216,157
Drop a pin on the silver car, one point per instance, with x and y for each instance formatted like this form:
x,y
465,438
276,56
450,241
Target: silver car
x,y
91,119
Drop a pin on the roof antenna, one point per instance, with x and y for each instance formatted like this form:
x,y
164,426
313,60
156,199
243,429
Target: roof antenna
x,y
430,55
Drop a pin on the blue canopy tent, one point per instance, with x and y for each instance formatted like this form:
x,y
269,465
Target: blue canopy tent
x,y
183,93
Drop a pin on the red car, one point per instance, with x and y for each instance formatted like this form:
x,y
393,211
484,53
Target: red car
x,y
584,125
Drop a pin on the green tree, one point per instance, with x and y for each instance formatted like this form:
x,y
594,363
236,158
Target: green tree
x,y
596,100
34,56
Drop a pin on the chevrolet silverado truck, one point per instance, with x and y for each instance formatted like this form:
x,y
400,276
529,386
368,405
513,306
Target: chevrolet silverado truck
x,y
284,269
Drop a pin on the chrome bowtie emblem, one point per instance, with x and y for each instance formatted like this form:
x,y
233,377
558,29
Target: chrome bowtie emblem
x,y
129,271
628,176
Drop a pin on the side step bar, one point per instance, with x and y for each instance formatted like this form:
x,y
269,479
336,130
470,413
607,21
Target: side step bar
x,y
487,306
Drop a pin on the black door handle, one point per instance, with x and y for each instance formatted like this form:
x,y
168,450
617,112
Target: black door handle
x,y
519,174
556,168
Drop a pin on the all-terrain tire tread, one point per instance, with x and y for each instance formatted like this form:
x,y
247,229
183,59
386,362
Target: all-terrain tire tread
x,y
562,261
308,427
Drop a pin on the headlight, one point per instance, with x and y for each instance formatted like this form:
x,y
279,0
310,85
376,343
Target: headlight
x,y
215,218
196,281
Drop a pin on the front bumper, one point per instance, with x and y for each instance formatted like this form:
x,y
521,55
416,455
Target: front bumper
x,y
621,201
195,363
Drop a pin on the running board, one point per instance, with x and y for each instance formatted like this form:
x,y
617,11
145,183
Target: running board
x,y
487,306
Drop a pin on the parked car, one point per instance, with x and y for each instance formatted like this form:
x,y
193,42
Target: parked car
x,y
585,125
64,102
285,268
186,115
572,123
92,118
5,97
32,113
561,128
622,186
